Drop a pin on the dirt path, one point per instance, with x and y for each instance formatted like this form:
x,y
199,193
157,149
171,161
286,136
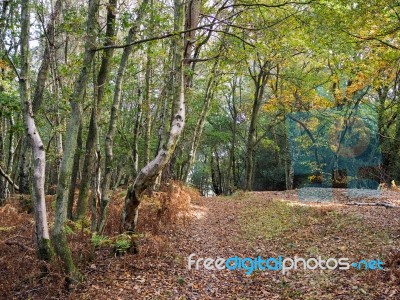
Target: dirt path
x,y
267,224
223,227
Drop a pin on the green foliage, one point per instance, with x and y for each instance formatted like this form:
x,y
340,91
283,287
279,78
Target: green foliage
x,y
9,97
100,240
69,230
74,20
122,243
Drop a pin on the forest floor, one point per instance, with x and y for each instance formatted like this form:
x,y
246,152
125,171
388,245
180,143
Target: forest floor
x,y
269,224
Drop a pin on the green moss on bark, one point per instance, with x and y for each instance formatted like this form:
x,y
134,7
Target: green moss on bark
x,y
45,250
63,251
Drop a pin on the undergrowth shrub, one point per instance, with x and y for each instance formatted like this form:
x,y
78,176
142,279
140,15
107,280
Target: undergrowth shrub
x,y
160,212
167,208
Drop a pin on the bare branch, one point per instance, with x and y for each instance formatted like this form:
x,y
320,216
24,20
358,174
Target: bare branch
x,y
8,178
257,5
201,59
376,38
160,37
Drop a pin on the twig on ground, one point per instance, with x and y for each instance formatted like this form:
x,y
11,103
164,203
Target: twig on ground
x,y
384,204
10,243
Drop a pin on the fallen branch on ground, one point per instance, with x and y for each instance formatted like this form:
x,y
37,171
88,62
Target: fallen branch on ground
x,y
19,244
384,204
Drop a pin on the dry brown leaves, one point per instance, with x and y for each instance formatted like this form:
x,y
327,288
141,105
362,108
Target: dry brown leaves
x,y
173,228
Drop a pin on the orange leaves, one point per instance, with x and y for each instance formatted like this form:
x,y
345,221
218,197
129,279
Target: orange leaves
x,y
291,99
359,82
3,64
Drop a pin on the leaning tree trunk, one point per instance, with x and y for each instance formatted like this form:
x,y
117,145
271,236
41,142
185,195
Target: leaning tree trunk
x,y
150,172
76,100
41,229
191,21
148,175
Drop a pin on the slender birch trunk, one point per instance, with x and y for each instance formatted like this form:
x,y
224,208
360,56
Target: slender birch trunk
x,y
44,251
148,175
146,107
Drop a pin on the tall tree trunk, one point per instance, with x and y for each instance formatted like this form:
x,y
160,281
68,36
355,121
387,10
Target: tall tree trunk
x,y
148,175
146,107
76,100
260,80
74,175
200,124
41,228
24,167
109,141
82,204
191,16
95,195
25,156
136,131
232,183
11,150
2,178
3,26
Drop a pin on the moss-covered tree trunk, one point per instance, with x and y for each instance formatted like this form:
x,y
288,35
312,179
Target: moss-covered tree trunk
x,y
82,203
76,99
